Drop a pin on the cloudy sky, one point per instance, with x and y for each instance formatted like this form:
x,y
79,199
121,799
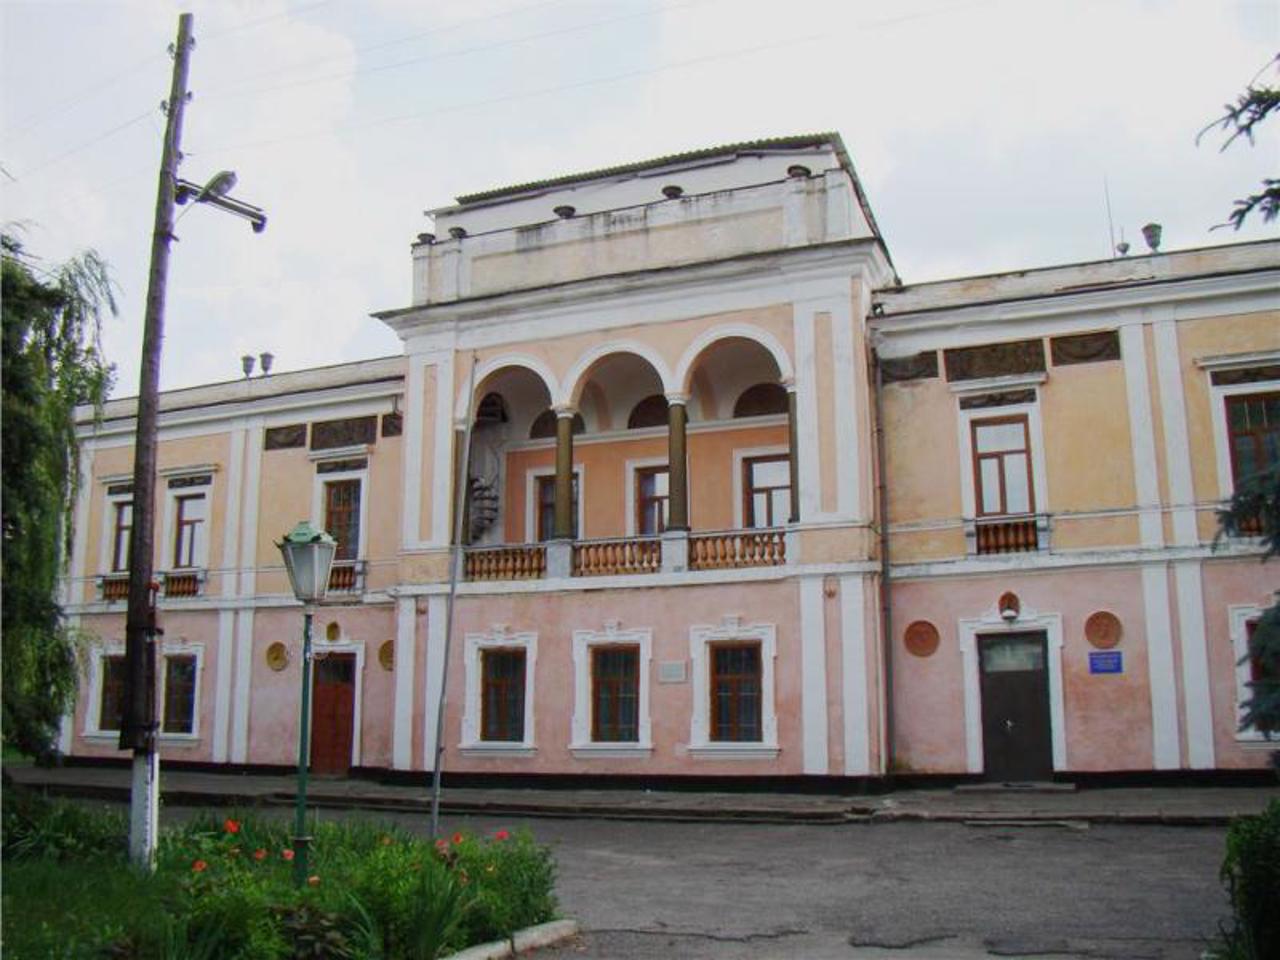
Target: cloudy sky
x,y
983,130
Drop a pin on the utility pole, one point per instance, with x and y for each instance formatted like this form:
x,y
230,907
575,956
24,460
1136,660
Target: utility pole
x,y
139,727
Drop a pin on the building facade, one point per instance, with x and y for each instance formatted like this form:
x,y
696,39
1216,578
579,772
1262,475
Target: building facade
x,y
739,503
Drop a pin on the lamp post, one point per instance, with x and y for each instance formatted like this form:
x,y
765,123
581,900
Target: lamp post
x,y
308,556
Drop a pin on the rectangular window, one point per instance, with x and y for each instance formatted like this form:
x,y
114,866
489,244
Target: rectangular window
x,y
766,491
615,694
735,692
122,537
1002,466
179,693
1253,425
546,516
342,517
502,694
652,494
189,530
112,700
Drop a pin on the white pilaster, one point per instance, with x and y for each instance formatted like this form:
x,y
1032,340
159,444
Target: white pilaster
x,y
222,684
433,679
442,461
813,696
402,727
846,401
853,646
411,486
247,587
1142,438
1195,665
1173,411
1160,672
807,412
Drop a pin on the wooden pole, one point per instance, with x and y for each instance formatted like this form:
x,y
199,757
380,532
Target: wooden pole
x,y
138,729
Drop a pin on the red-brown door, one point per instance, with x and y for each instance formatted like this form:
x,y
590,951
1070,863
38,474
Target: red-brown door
x,y
333,714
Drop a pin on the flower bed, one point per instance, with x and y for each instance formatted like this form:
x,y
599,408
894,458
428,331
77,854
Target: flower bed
x,y
224,888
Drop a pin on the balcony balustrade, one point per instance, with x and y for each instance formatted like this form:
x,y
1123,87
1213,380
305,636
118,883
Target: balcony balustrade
x,y
737,548
114,586
182,583
599,558
521,562
1007,535
347,576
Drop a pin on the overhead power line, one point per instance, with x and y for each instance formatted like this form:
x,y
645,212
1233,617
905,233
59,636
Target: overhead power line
x,y
58,158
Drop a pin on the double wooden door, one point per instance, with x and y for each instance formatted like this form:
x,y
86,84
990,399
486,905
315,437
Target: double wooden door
x,y
333,714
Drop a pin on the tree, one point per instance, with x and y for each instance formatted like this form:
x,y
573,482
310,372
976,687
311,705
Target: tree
x,y
52,362
1256,506
1239,120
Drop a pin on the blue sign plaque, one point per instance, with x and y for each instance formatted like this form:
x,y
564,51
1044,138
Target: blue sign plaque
x,y
1106,661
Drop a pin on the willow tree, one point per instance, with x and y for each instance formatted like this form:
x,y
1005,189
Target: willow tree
x,y
52,362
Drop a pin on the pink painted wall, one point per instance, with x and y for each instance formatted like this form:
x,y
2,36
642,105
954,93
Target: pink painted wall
x,y
1108,717
671,704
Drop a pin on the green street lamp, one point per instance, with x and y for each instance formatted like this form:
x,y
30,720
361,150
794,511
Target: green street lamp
x,y
308,556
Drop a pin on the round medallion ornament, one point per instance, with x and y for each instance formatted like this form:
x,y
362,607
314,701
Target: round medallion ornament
x,y
332,631
387,655
277,656
921,638
1103,629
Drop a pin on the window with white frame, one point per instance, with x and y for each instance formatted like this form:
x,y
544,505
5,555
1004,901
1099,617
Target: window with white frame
x,y
733,690
340,507
611,691
1245,391
178,677
119,531
1250,670
187,516
498,708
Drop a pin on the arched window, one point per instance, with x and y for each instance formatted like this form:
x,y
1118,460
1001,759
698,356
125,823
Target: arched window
x,y
649,412
761,400
544,425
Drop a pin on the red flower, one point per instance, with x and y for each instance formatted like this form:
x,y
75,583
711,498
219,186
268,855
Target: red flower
x,y
442,847
231,826
502,835
259,854
457,838
286,854
199,867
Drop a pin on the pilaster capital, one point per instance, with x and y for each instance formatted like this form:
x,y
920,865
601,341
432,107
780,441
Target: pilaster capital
x,y
565,411
681,399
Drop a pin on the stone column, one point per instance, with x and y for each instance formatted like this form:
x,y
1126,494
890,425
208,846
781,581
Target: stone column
x,y
562,526
677,478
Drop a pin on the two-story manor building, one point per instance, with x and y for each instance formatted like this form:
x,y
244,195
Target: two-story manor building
x,y
739,502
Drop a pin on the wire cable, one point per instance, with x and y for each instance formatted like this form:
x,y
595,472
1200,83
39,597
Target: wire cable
x,y
58,158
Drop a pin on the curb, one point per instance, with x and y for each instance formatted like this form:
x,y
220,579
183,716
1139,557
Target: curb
x,y
522,941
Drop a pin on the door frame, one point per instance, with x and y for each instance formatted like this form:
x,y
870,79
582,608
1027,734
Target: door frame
x,y
992,623
326,647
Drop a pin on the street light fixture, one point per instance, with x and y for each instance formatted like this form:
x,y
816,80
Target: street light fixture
x,y
215,193
308,557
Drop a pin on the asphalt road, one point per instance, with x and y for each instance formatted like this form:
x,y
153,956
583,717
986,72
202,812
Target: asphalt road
x,y
905,890
644,890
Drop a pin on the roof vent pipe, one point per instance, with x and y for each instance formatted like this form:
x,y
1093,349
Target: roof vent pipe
x,y
266,360
457,232
246,364
799,171
1151,234
672,190
564,211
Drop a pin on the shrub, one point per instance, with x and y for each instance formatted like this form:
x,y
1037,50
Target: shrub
x,y
1251,874
35,826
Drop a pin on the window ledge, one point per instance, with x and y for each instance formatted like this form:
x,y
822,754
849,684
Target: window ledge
x,y
733,751
608,751
497,749
183,739
1256,741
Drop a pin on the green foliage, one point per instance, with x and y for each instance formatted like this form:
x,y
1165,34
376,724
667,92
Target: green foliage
x,y
52,362
36,827
1254,508
1239,119
1251,874
224,888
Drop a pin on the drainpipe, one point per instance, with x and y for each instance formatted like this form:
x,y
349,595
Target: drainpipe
x,y
886,609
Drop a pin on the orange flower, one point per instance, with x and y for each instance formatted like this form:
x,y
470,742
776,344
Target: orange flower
x,y
313,881
286,854
457,838
199,867
442,846
502,835
259,854
231,826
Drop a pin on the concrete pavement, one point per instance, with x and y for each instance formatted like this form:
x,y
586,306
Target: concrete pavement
x,y
1190,805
